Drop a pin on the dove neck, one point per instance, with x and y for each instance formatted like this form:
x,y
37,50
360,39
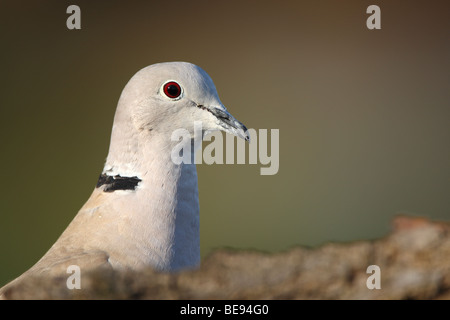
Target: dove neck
x,y
163,207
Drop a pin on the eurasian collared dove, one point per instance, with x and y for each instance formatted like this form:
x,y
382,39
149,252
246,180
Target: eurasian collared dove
x,y
144,210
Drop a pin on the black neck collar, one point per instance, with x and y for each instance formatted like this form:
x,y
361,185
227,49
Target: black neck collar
x,y
117,182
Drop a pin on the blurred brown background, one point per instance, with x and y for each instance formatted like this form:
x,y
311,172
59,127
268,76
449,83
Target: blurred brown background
x,y
364,115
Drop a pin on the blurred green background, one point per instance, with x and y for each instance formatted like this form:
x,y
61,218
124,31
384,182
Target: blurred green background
x,y
364,115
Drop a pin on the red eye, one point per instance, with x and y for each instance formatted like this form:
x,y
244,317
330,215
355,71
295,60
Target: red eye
x,y
172,89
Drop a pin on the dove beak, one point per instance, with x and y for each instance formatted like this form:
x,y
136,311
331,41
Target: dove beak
x,y
229,123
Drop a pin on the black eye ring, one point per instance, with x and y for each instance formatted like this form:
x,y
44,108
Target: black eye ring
x,y
172,89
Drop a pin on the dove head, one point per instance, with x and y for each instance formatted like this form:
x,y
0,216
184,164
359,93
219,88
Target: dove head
x,y
168,96
158,100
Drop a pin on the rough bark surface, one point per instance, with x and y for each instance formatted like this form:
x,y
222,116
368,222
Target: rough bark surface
x,y
414,260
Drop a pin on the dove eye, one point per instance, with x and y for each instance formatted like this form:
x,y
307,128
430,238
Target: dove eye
x,y
172,90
